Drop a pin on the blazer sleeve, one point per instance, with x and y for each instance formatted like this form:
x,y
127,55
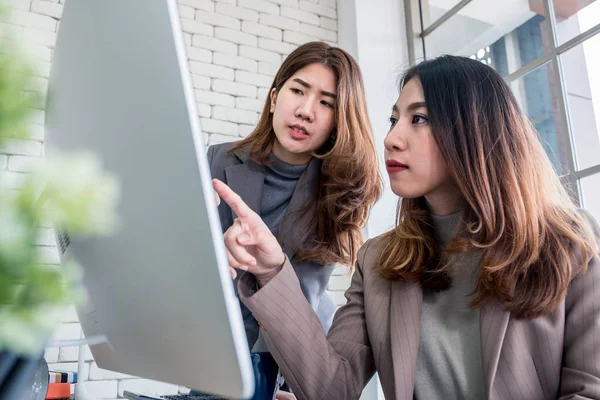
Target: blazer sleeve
x,y
315,367
580,372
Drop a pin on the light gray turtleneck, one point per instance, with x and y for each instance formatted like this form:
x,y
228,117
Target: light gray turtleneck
x,y
449,358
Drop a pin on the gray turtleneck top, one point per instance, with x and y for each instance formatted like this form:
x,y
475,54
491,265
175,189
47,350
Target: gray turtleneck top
x,y
280,183
449,358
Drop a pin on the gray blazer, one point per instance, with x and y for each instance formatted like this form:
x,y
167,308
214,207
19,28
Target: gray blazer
x,y
247,178
551,357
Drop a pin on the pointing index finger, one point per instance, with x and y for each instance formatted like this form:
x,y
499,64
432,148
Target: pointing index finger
x,y
232,199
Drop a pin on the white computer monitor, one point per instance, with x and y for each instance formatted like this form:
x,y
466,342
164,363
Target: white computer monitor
x,y
159,289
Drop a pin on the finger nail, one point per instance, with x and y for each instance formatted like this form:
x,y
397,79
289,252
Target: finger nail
x,y
244,238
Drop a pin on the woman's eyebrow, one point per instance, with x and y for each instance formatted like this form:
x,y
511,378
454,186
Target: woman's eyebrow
x,y
308,86
411,107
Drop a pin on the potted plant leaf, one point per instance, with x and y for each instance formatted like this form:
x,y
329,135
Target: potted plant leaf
x,y
70,191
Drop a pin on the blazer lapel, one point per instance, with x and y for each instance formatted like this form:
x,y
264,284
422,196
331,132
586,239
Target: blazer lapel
x,y
405,326
294,226
493,323
247,180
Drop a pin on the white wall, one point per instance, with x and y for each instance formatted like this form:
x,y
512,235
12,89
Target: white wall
x,y
235,48
374,32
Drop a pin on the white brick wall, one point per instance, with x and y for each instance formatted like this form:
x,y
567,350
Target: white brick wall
x,y
235,47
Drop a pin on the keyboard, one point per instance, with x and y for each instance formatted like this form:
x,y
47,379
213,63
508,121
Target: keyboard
x,y
193,397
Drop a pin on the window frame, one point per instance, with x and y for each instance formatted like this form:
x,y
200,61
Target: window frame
x,y
413,9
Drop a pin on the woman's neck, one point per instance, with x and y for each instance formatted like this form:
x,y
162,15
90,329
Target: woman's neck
x,y
444,201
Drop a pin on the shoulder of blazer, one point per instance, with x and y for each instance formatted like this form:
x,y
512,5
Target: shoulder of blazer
x,y
220,158
368,255
220,151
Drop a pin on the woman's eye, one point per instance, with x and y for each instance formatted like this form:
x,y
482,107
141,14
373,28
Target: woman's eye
x,y
326,104
419,119
393,121
296,91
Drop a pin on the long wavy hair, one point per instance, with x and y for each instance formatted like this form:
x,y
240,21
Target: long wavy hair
x,y
532,238
350,182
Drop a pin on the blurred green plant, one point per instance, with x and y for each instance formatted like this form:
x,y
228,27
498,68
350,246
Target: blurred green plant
x,y
67,191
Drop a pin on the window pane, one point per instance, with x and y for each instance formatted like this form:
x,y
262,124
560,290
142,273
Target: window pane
x,y
536,93
581,71
433,9
590,189
574,17
505,36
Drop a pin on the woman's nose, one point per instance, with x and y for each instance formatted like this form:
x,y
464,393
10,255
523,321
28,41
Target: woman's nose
x,y
395,140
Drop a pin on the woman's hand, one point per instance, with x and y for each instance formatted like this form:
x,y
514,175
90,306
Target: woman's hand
x,y
281,395
250,244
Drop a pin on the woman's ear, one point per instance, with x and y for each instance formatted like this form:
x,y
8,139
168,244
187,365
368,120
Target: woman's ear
x,y
273,97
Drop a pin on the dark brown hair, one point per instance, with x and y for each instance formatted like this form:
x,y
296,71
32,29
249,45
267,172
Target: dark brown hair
x,y
532,238
350,182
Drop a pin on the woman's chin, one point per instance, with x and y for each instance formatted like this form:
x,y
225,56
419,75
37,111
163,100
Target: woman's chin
x,y
294,148
404,194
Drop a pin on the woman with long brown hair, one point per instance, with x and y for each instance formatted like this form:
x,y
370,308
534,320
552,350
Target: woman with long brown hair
x,y
309,169
487,288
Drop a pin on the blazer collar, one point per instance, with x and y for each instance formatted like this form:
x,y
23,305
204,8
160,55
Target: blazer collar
x,y
405,326
246,179
493,323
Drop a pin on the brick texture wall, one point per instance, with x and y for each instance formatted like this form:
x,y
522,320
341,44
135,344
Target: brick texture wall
x,y
234,49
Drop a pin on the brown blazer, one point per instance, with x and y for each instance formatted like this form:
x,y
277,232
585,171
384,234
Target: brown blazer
x,y
557,356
